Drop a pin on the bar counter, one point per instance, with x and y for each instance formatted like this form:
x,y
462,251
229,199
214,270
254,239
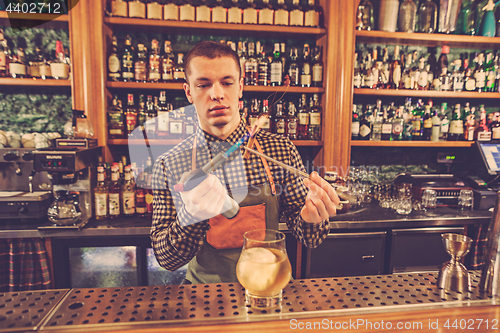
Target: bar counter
x,y
407,302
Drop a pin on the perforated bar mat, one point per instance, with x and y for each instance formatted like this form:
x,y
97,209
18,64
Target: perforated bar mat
x,y
25,310
119,308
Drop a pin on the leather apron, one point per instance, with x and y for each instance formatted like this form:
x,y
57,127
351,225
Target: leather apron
x,y
216,261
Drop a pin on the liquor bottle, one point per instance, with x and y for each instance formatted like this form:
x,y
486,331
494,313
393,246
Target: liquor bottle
x,y
119,8
482,132
279,120
436,127
276,78
456,130
116,123
445,122
281,13
292,122
154,10
406,79
235,13
265,111
427,17
140,64
171,10
4,57
187,10
386,125
408,120
128,194
250,12
305,68
293,68
141,113
445,80
179,74
480,74
151,116
266,13
154,62
495,127
315,118
296,14
364,16
428,125
35,61
17,66
365,124
114,70
470,125
417,121
149,195
490,73
219,12
357,79
303,115
398,125
355,123
242,50
137,9
284,63
251,67
263,70
317,67
469,80
101,195
130,115
162,129
376,130
60,66
395,70
422,82
167,63
457,77
407,16
254,111
128,61
140,194
312,14
114,192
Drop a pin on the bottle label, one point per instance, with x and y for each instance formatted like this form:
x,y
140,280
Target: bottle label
x,y
281,17
369,81
113,65
276,72
305,80
292,127
131,121
59,70
456,127
480,79
357,81
137,9
179,75
495,133
422,79
34,68
128,66
428,123
154,11
171,12
219,14
490,83
266,16
315,118
114,204
396,75
355,128
202,14
17,69
304,118
297,17
250,16
317,73
149,198
234,15
186,12
163,121
267,125
101,204
128,203
119,8
3,63
386,128
484,136
311,19
140,71
280,126
470,84
397,128
364,130
175,127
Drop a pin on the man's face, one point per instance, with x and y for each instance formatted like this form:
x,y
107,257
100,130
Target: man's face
x,y
215,88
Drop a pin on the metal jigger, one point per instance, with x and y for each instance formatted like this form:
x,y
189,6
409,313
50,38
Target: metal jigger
x,y
453,274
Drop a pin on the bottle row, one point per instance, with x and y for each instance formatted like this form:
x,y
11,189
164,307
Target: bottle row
x,y
14,62
269,12
476,71
459,17
158,119
123,191
257,67
423,122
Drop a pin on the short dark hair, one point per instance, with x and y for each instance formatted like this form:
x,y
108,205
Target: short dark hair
x,y
211,50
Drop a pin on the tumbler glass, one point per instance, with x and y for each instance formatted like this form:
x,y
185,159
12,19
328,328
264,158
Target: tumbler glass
x,y
429,199
465,200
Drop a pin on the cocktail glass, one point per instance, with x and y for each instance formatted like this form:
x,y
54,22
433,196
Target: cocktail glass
x,y
263,267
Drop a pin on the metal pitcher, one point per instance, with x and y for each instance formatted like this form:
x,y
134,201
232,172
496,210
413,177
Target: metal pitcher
x,y
490,276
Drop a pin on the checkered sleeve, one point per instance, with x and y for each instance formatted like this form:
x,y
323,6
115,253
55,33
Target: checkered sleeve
x,y
175,237
293,199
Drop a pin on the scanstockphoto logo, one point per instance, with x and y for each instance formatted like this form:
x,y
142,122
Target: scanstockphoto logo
x,y
26,14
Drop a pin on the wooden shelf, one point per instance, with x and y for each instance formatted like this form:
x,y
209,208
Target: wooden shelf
x,y
178,86
223,27
139,142
425,93
35,17
458,41
7,81
363,143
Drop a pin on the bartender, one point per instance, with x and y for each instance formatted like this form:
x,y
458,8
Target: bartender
x,y
187,226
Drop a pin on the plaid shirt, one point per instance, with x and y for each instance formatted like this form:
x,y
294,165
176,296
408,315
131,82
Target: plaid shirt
x,y
177,236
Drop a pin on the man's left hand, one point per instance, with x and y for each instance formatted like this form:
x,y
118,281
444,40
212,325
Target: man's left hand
x,y
321,200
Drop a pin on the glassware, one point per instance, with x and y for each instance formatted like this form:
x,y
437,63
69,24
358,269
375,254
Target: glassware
x,y
465,200
388,15
427,17
364,16
404,206
263,267
448,13
407,16
65,210
429,199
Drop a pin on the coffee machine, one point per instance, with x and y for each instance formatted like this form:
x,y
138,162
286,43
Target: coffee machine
x,y
73,180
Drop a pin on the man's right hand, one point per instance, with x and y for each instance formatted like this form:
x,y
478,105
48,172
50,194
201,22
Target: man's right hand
x,y
205,200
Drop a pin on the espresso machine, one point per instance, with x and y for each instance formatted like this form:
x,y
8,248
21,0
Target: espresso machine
x,y
24,195
72,175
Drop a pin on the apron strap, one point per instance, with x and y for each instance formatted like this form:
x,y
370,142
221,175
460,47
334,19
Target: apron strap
x,y
266,167
193,154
